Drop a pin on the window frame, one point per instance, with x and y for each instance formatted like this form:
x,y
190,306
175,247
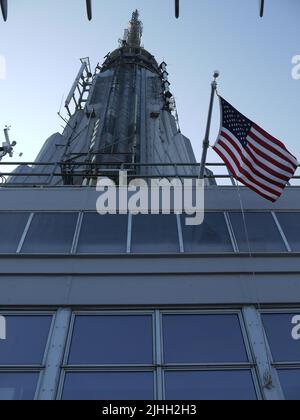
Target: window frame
x,y
159,367
35,368
278,366
29,224
258,211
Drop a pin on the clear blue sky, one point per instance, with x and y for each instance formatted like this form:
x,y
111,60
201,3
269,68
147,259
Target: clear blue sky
x,y
43,41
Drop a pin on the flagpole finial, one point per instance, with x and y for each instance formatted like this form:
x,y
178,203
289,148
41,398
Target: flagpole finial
x,y
216,76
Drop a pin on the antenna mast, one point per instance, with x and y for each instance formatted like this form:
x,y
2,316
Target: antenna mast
x,y
135,30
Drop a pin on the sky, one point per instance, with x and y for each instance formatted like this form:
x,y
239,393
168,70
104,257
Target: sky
x,y
43,41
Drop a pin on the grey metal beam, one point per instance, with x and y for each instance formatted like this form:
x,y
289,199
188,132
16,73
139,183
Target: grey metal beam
x,y
269,380
50,379
149,290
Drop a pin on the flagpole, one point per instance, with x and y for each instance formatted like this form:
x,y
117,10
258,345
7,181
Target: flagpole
x,y
207,133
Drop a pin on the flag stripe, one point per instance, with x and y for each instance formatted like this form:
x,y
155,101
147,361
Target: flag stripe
x,y
267,152
230,147
275,153
263,194
273,140
285,170
246,174
274,148
262,164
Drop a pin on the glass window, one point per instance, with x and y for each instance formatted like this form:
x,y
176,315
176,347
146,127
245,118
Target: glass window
x,y
12,227
203,339
26,339
103,234
211,236
262,232
290,383
110,339
210,385
279,329
51,233
18,386
154,233
109,386
290,223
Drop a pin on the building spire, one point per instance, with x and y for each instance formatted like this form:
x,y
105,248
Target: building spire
x,y
135,30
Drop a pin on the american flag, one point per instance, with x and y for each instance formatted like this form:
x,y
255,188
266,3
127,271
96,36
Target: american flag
x,y
254,157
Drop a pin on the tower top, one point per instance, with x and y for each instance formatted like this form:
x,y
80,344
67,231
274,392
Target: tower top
x,y
134,34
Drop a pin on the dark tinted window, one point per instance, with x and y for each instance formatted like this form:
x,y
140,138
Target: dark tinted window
x,y
210,385
203,339
262,232
51,233
290,383
211,236
279,329
11,229
154,233
290,223
109,386
26,339
112,340
18,386
103,234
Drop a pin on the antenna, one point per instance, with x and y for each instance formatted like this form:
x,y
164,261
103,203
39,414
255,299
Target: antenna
x,y
135,30
261,8
4,9
89,9
177,9
7,147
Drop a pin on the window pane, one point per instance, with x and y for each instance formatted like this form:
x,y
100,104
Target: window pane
x,y
112,339
18,386
154,233
12,227
109,386
210,385
26,339
290,223
211,236
262,232
103,234
203,339
290,383
51,233
279,329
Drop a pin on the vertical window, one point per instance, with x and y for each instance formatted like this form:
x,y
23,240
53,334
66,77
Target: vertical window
x,y
290,223
115,355
103,234
12,227
283,334
260,233
112,339
50,233
279,329
18,386
155,234
109,386
290,383
210,385
211,236
22,354
203,339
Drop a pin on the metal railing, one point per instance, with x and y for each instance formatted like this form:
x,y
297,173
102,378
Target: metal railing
x,y
71,173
